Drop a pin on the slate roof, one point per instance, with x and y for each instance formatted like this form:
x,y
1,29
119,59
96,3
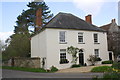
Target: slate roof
x,y
106,27
69,21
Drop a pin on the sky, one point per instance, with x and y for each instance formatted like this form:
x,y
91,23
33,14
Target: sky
x,y
102,11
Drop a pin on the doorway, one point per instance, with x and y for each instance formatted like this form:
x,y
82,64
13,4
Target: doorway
x,y
81,57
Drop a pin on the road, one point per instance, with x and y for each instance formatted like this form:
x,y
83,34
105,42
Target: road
x,y
21,74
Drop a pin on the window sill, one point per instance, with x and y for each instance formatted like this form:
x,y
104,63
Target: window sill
x,y
96,43
63,43
80,43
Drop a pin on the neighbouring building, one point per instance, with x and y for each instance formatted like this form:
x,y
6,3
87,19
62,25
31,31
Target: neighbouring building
x,y
113,37
63,31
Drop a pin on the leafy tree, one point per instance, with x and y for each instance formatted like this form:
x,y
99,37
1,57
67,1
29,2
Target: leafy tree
x,y
19,46
73,50
27,18
114,43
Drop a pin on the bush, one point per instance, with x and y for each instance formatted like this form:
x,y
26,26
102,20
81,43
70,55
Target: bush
x,y
75,65
107,62
53,69
116,65
111,76
102,69
63,61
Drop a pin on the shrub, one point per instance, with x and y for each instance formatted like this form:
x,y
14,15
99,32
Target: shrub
x,y
107,62
75,65
116,65
102,69
53,69
111,76
93,59
62,61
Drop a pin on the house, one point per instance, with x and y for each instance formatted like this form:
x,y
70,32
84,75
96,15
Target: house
x,y
66,30
113,37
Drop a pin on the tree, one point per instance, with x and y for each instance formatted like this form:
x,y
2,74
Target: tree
x,y
19,46
73,50
114,43
27,18
19,43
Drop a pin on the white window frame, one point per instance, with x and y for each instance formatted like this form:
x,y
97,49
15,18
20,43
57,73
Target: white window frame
x,y
96,51
95,38
62,37
80,36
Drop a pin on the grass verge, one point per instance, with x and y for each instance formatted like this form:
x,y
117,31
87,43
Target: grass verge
x,y
25,69
102,69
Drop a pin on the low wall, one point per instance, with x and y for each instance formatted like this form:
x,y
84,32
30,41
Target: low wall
x,y
24,62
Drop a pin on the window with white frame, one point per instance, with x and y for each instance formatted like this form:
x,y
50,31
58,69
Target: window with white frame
x,y
96,52
62,36
80,37
95,38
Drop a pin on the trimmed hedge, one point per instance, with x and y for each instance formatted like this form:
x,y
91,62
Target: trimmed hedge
x,y
102,69
107,62
75,65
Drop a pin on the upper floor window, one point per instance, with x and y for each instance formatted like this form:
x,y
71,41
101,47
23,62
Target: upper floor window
x,y
96,51
62,37
95,38
80,37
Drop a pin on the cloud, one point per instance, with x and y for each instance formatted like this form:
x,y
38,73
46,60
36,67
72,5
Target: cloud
x,y
89,6
5,35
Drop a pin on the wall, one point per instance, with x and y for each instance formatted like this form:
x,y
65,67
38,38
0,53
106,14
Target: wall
x,y
24,62
53,46
38,46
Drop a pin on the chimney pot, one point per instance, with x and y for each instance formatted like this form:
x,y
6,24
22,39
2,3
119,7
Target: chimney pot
x,y
88,18
113,20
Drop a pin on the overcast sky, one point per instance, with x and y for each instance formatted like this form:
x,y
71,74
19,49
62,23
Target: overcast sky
x,y
102,11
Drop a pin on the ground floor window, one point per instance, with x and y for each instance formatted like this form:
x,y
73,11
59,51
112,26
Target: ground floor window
x,y
63,56
96,52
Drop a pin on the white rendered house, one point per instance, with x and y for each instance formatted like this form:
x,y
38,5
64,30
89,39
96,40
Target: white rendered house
x,y
66,30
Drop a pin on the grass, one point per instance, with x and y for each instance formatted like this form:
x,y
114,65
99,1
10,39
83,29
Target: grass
x,y
25,69
102,69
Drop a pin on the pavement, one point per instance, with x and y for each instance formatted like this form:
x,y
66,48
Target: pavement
x,y
12,74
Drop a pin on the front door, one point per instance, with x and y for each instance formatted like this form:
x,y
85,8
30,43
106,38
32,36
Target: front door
x,y
81,59
110,56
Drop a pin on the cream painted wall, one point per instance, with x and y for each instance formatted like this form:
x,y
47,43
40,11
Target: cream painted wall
x,y
38,46
46,44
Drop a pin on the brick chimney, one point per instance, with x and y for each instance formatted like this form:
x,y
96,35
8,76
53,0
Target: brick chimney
x,y
88,18
113,20
38,19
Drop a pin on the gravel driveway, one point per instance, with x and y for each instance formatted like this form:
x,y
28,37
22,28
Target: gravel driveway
x,y
80,69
